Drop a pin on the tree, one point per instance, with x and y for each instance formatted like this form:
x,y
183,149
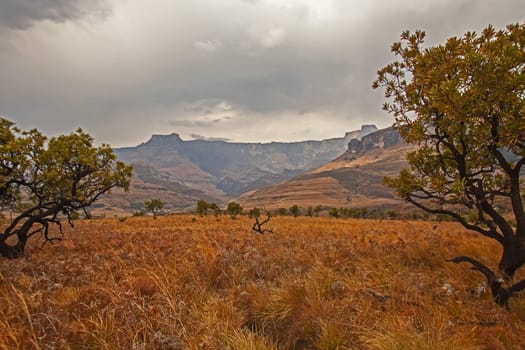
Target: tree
x,y
202,207
463,104
215,208
154,206
258,225
254,213
295,210
42,180
333,212
233,209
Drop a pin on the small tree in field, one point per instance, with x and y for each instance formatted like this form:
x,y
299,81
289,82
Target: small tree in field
x,y
154,205
334,213
463,104
234,209
254,212
295,210
215,208
43,179
202,207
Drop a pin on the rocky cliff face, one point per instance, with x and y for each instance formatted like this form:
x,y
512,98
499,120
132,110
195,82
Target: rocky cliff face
x,y
384,138
355,179
219,170
221,158
358,134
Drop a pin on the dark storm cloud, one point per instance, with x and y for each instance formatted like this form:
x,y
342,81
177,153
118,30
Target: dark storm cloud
x,y
250,70
21,14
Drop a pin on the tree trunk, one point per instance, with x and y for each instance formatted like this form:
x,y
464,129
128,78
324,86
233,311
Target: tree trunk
x,y
12,251
513,256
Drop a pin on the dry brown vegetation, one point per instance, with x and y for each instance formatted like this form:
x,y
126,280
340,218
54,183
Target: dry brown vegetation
x,y
180,282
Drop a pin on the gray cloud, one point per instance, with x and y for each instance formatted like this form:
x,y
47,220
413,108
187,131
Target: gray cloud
x,y
21,14
245,70
200,137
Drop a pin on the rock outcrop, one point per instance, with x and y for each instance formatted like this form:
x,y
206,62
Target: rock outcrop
x,y
384,138
355,179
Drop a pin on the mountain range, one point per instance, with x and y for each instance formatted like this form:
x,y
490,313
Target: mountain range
x,y
353,180
345,171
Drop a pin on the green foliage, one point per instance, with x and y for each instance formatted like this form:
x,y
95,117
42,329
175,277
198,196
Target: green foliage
x,y
202,207
295,210
215,208
254,213
359,212
154,205
463,104
234,209
41,178
333,212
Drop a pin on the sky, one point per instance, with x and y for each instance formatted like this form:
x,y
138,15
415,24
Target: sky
x,y
241,70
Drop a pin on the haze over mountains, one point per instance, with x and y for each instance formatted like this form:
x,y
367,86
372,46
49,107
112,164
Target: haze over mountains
x,y
328,172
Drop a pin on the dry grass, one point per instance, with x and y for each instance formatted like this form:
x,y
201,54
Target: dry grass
x,y
206,283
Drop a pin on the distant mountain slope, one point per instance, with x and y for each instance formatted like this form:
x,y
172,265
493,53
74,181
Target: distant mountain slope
x,y
352,180
181,172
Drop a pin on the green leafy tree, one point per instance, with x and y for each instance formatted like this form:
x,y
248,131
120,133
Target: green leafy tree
x,y
215,208
295,210
202,207
154,206
333,212
42,180
234,209
254,213
462,103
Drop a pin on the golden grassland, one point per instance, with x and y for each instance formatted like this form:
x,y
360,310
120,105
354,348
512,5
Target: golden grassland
x,y
184,282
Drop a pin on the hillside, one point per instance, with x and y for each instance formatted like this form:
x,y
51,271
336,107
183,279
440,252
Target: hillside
x,y
180,172
352,180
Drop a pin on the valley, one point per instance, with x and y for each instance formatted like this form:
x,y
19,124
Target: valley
x,y
346,171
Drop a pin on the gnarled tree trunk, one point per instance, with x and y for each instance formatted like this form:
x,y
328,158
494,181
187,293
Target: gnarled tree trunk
x,y
513,256
12,251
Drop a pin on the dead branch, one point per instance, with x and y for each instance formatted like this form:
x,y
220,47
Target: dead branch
x,y
257,226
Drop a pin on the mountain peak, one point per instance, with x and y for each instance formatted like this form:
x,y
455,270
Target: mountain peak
x,y
164,140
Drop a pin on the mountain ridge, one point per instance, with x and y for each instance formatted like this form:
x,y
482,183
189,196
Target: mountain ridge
x,y
218,170
354,179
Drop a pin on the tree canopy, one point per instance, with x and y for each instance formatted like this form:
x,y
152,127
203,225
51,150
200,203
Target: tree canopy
x,y
463,104
154,205
44,179
234,209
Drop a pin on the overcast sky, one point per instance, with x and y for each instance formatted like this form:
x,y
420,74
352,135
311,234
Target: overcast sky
x,y
245,70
